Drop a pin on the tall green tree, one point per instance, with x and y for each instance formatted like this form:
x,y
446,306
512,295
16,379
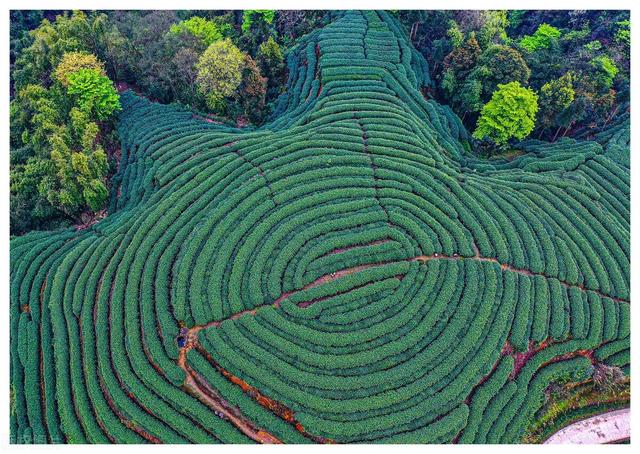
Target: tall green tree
x,y
252,91
500,64
79,166
510,114
271,62
220,72
143,47
94,93
455,34
291,24
20,23
463,58
605,71
541,39
493,28
257,26
554,98
203,29
257,17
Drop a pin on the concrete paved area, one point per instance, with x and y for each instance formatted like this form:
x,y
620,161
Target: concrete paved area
x,y
604,428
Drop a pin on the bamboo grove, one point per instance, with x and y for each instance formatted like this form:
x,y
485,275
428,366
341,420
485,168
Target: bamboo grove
x,y
347,273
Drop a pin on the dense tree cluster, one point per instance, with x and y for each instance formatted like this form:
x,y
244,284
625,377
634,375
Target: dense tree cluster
x,y
219,71
62,116
576,61
510,113
64,65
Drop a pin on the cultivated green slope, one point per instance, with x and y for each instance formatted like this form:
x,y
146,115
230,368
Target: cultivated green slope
x,y
374,282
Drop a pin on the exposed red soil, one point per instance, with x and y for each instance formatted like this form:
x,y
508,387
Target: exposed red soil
x,y
521,358
196,385
507,348
207,119
523,271
90,219
123,86
272,405
344,272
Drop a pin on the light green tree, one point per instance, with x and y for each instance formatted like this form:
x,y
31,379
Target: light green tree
x,y
605,71
510,114
205,30
541,39
623,33
593,46
555,96
251,16
219,71
94,92
455,35
74,61
493,28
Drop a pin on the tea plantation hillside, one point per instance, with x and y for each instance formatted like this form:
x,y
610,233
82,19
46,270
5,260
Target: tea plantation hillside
x,y
347,273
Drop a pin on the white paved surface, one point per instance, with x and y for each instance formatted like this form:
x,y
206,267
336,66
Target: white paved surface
x,y
604,428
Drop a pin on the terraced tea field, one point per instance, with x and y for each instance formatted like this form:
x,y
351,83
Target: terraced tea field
x,y
347,273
